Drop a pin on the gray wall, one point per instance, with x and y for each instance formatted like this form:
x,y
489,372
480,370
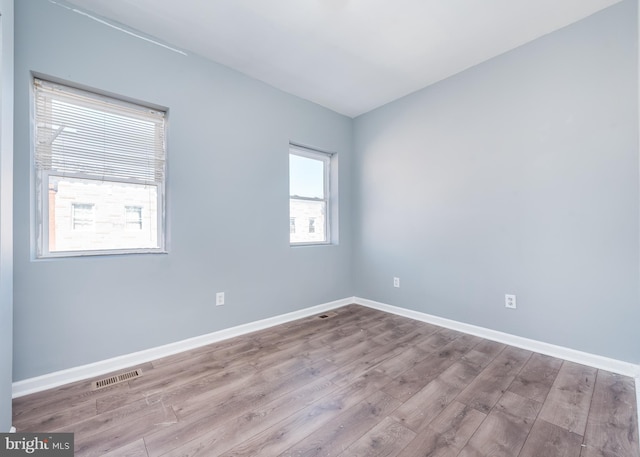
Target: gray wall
x,y
227,203
520,176
6,211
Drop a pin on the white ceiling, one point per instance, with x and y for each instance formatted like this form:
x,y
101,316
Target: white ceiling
x,y
348,55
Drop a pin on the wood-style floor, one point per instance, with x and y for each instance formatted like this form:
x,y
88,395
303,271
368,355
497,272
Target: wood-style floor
x,y
360,383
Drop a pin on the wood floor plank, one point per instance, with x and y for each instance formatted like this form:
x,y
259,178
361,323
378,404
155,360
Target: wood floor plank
x,y
252,392
569,399
334,437
72,395
387,439
413,380
447,434
226,350
108,438
489,348
462,373
487,388
402,361
181,387
128,413
217,433
280,437
537,377
276,380
504,431
548,439
49,419
483,353
588,451
361,382
402,329
204,364
350,330
612,427
419,410
319,332
378,358
354,351
345,374
434,342
135,449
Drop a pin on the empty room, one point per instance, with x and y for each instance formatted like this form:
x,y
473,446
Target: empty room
x,y
319,228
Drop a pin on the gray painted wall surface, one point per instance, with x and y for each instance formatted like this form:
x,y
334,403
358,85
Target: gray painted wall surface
x,y
227,203
6,212
519,176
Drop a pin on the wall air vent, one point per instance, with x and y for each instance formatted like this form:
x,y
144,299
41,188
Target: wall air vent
x,y
117,379
327,315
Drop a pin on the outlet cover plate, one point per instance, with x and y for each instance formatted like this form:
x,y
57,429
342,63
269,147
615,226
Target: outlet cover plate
x,y
510,301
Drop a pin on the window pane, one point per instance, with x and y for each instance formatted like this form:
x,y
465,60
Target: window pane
x,y
133,217
306,177
308,210
86,215
83,216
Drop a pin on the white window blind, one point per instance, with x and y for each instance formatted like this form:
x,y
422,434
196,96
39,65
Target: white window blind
x,y
81,133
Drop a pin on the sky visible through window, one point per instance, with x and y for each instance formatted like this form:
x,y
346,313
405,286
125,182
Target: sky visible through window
x,y
306,177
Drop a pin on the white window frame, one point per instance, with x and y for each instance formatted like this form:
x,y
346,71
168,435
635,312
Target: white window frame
x,y
326,158
42,177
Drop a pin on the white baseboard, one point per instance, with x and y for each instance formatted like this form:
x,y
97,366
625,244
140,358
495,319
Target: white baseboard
x,y
584,358
58,378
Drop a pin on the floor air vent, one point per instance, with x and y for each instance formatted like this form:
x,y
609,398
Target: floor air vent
x,y
117,379
327,315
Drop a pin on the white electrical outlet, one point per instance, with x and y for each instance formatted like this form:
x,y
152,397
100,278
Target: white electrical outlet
x,y
510,301
220,298
396,282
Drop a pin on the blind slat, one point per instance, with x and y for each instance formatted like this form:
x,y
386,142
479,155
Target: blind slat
x,y
78,132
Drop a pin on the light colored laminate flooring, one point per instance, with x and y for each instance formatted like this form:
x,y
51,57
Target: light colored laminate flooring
x,y
359,383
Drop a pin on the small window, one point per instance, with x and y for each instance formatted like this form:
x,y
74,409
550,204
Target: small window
x,y
309,178
82,216
133,217
90,147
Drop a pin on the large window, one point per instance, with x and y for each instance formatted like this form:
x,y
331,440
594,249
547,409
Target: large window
x,y
309,184
100,173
